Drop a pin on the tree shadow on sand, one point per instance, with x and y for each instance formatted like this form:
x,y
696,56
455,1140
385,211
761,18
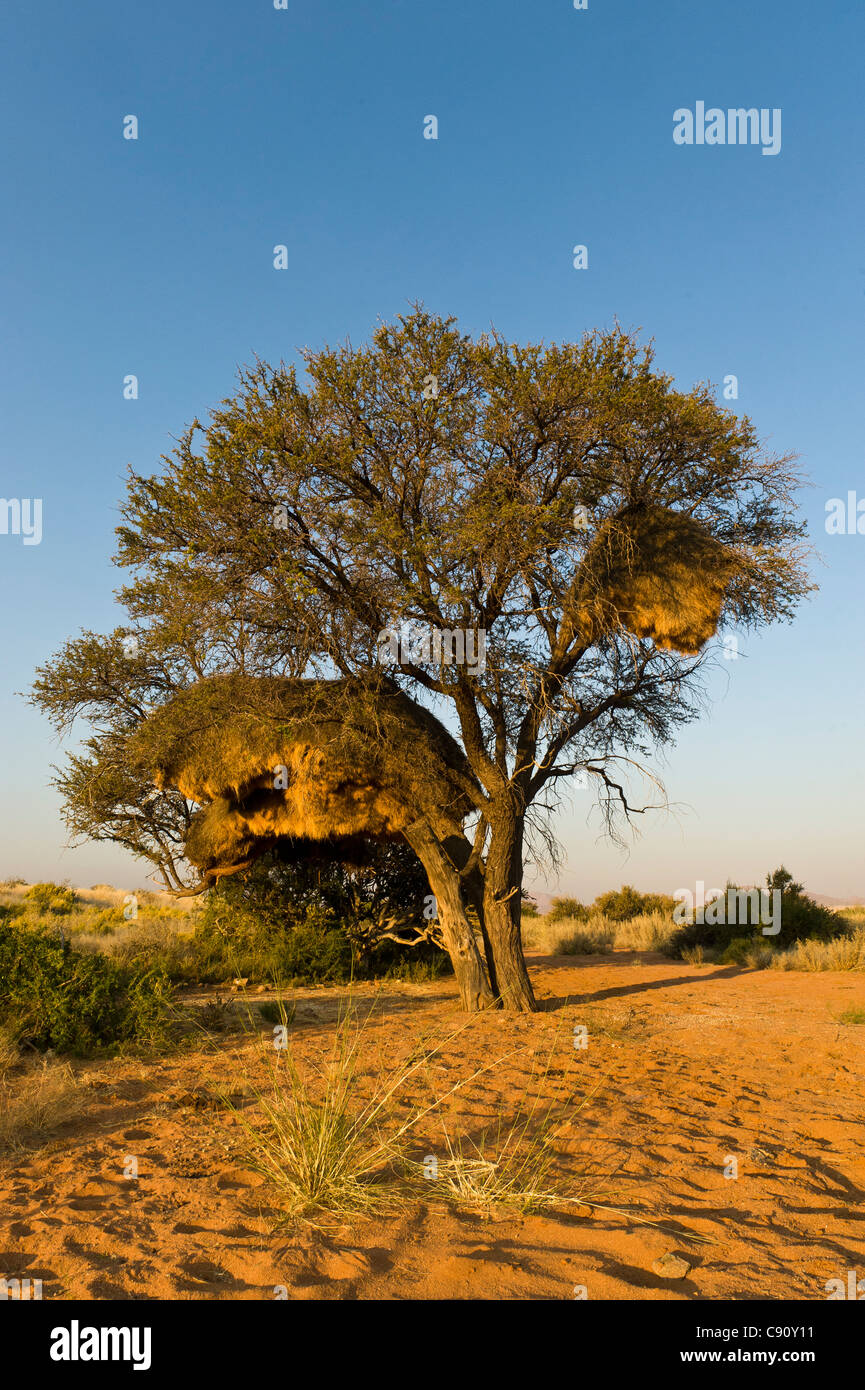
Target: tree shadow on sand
x,y
551,1004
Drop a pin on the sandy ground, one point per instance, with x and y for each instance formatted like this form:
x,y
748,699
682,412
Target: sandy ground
x,y
685,1067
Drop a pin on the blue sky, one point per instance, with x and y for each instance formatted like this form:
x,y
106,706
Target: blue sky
x,y
304,127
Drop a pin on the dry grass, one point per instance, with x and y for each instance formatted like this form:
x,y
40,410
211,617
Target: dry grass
x,y
516,1163
329,1150
597,935
37,1096
844,953
334,1148
10,1056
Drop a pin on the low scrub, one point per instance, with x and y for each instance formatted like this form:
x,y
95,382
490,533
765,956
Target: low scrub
x,y
625,903
596,934
620,905
797,916
327,1147
37,1096
57,899
844,953
72,1001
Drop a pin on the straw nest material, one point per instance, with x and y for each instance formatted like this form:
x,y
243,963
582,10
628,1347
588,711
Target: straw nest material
x,y
656,573
312,763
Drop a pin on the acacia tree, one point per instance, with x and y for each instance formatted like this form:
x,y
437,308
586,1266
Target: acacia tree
x,y
476,486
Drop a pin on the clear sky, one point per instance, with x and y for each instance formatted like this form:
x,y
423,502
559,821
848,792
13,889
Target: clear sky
x,y
304,126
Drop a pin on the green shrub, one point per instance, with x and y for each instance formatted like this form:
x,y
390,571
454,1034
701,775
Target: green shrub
x,y
313,923
591,941
105,922
567,908
56,898
154,944
801,920
75,1002
737,951
286,944
626,902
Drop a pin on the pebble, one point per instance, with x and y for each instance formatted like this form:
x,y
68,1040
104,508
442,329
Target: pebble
x,y
671,1266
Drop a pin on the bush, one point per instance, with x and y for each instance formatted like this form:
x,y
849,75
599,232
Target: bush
x,y
844,953
74,1002
56,898
153,944
737,951
105,922
567,908
314,922
626,902
283,942
587,941
801,920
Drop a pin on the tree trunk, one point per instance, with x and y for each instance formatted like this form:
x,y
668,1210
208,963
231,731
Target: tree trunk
x,y
460,944
502,906
459,852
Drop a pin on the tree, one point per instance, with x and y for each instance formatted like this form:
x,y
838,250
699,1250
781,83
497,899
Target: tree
x,y
561,515
782,879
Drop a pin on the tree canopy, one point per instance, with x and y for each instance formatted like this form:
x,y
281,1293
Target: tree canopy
x,y
588,525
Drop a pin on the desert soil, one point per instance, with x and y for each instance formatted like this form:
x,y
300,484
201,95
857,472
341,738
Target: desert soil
x,y
686,1068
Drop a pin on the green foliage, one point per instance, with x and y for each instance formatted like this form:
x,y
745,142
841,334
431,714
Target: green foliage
x,y
782,879
302,515
570,908
57,898
801,920
621,904
74,1002
315,922
105,922
737,951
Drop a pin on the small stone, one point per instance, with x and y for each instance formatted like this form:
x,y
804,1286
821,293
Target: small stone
x,y
759,1155
671,1266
